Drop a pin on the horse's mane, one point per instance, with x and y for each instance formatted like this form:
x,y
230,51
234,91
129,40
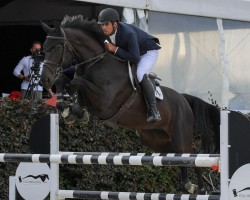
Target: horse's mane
x,y
79,22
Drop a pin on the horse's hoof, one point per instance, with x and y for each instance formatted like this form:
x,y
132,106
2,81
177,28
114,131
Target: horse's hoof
x,y
65,113
71,119
202,191
85,118
191,188
79,112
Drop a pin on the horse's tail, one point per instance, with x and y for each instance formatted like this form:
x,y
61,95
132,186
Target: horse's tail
x,y
207,119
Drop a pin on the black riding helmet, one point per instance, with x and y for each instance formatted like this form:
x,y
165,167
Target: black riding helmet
x,y
108,15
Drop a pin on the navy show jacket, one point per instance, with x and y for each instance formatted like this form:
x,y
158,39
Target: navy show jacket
x,y
133,42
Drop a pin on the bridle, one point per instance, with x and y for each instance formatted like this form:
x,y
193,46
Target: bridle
x,y
66,44
60,40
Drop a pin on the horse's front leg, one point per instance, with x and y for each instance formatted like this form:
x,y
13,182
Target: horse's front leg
x,y
73,110
77,109
61,82
60,103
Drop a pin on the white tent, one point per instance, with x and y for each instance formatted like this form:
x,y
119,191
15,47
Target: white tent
x,y
205,46
225,9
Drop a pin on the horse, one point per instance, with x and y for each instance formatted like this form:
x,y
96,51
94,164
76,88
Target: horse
x,y
105,90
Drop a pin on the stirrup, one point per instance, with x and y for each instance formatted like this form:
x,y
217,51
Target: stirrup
x,y
153,116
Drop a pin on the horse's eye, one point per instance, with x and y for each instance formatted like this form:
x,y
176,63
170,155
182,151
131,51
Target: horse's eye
x,y
58,48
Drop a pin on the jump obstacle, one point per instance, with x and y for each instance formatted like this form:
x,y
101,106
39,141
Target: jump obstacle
x,y
111,160
157,159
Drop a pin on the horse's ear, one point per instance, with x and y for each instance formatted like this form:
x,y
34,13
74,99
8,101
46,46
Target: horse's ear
x,y
46,28
57,27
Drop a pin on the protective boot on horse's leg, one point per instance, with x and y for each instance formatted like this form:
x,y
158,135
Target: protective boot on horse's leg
x,y
149,95
80,112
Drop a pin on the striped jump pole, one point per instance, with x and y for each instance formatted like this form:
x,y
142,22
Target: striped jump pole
x,y
139,154
112,159
131,195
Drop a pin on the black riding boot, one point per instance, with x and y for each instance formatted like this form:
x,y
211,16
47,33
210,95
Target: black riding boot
x,y
149,95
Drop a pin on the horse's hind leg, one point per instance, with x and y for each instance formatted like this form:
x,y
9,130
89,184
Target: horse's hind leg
x,y
160,142
187,185
201,187
183,144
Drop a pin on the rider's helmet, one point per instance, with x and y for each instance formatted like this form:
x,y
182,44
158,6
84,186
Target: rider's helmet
x,y
108,15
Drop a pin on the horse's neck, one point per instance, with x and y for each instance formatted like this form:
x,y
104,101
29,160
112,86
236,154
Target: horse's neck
x,y
107,87
84,45
108,72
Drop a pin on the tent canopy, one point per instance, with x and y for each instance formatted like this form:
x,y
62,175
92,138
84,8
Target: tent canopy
x,y
30,12
225,9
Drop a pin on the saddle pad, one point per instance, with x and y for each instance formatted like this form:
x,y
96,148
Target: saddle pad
x,y
158,93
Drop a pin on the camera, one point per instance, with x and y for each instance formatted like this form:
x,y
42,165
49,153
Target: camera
x,y
38,57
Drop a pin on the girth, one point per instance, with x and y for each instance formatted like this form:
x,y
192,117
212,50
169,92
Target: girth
x,y
113,120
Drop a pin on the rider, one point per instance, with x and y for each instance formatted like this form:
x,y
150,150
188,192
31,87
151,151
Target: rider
x,y
133,44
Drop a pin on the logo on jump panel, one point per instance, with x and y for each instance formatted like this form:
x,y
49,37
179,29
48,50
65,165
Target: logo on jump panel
x,y
33,180
36,179
240,184
240,194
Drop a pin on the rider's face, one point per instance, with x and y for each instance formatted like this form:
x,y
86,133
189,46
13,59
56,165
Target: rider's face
x,y
35,48
109,28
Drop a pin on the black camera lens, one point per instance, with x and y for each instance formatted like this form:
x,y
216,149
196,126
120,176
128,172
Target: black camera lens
x,y
38,51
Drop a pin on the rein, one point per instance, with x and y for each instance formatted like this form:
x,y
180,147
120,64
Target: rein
x,y
92,61
60,68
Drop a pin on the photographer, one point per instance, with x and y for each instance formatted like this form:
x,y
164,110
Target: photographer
x,y
29,70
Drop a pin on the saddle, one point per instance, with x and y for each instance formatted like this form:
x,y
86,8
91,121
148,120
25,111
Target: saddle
x,y
132,68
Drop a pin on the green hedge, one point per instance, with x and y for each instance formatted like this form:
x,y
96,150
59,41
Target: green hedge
x,y
16,120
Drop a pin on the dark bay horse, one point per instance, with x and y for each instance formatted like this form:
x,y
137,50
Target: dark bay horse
x,y
107,93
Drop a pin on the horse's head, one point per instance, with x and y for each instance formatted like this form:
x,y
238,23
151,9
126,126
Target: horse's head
x,y
58,53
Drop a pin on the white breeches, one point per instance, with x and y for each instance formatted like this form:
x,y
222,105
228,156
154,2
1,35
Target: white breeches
x,y
146,63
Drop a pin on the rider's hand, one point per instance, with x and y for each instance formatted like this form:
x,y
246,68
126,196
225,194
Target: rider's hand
x,y
26,78
110,47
